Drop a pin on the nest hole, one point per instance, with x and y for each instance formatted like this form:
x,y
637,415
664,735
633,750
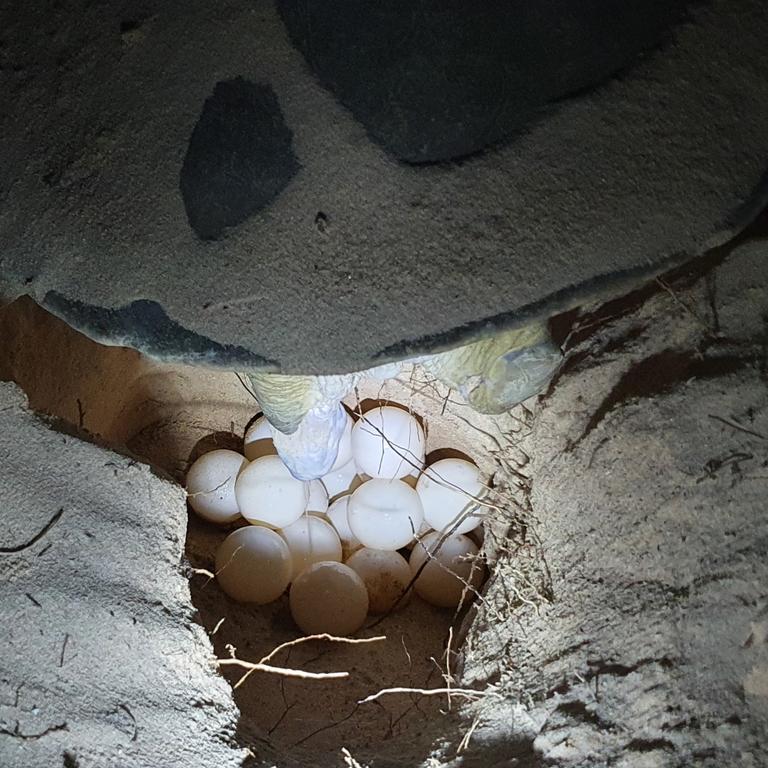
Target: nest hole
x,y
167,415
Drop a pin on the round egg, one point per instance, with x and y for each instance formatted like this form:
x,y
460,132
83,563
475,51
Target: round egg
x,y
311,540
268,493
452,565
318,497
341,480
258,440
386,576
385,514
388,442
211,485
328,597
337,514
253,565
449,490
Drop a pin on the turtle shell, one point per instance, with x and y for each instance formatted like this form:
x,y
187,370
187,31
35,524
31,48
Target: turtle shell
x,y
328,185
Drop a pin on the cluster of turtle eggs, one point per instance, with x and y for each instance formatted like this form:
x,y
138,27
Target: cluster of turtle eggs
x,y
335,540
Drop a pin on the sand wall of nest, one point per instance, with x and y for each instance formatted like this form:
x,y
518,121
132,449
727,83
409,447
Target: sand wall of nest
x,y
649,468
101,662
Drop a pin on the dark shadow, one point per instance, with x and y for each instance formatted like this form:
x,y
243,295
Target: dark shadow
x,y
434,81
252,421
217,440
240,126
447,453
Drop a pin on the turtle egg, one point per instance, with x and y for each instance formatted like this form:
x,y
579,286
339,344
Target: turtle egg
x,y
388,442
258,440
268,493
448,490
328,597
318,497
253,565
442,581
311,540
386,576
340,480
385,514
211,485
337,514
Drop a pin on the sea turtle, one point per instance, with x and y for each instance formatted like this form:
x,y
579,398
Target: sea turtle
x,y
315,187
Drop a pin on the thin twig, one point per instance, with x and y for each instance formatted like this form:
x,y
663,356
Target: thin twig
x,y
349,761
735,425
264,666
464,743
247,388
63,649
218,624
39,535
285,671
125,709
448,678
322,636
466,692
688,309
212,490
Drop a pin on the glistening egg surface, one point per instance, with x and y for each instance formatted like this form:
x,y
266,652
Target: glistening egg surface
x,y
449,490
211,485
386,576
328,597
451,566
268,493
385,514
337,514
341,480
311,540
388,442
253,565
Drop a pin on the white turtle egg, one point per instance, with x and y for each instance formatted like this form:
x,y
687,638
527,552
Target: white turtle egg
x,y
344,454
258,440
311,540
337,514
211,485
340,480
328,597
385,514
386,576
253,565
448,490
268,493
442,580
318,497
388,442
